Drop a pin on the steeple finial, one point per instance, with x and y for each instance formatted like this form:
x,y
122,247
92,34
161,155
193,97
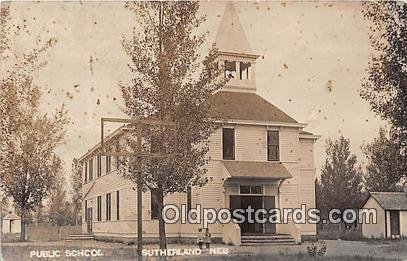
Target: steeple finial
x,y
231,36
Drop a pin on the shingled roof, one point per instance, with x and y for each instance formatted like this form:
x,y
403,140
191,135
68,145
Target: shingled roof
x,y
246,106
253,169
391,200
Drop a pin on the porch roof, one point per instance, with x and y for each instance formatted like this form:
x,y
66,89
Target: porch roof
x,y
391,200
255,170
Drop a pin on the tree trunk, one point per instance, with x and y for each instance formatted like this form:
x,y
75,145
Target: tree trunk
x,y
22,234
161,223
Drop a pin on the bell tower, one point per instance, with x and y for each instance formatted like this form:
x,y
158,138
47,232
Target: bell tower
x,y
234,53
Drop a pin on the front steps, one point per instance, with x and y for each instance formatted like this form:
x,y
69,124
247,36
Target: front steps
x,y
267,239
80,237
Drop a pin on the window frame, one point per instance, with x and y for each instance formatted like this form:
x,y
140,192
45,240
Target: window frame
x,y
86,210
86,171
108,206
251,188
117,205
90,169
99,165
99,208
233,157
108,162
247,69
154,206
276,146
189,198
226,62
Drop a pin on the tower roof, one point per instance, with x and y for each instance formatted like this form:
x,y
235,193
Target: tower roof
x,y
231,36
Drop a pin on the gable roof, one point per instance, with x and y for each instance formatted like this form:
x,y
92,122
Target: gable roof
x,y
253,169
231,36
391,200
246,106
11,216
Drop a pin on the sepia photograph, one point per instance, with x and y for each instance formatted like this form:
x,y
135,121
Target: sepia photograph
x,y
203,130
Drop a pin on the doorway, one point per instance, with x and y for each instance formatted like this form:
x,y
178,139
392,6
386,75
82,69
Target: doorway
x,y
89,220
255,202
395,223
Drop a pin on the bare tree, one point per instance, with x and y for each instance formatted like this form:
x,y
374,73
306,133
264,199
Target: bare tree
x,y
171,82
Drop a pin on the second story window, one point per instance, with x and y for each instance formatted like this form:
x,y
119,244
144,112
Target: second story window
x,y
228,143
108,164
99,165
90,169
86,172
273,151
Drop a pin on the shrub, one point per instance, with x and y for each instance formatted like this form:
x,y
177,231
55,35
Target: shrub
x,y
315,249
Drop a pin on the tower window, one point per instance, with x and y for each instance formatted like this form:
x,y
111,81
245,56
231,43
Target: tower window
x,y
244,70
230,69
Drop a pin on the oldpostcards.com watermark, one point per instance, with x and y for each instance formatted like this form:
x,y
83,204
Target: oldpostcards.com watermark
x,y
173,214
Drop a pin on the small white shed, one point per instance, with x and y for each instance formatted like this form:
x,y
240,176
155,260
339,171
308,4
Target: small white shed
x,y
11,224
391,215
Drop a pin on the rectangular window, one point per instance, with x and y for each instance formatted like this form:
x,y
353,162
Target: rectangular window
x,y
189,198
244,70
86,171
108,164
86,211
117,157
228,143
99,165
154,204
99,208
90,169
230,69
109,206
273,153
255,190
117,205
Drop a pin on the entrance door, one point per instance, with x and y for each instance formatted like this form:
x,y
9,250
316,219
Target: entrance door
x,y
89,220
243,202
395,223
269,203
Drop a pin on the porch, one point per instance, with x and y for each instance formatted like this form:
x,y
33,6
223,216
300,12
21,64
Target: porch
x,y
252,193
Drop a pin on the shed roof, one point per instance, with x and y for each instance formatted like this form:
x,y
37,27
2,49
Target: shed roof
x,y
391,200
253,169
11,216
246,106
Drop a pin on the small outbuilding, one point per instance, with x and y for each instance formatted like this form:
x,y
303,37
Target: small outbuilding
x,y
11,224
391,215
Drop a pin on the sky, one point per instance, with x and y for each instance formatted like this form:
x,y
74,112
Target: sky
x,y
313,59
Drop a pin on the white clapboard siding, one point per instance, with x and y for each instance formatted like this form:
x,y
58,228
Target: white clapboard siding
x,y
251,143
306,153
215,145
289,139
213,193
